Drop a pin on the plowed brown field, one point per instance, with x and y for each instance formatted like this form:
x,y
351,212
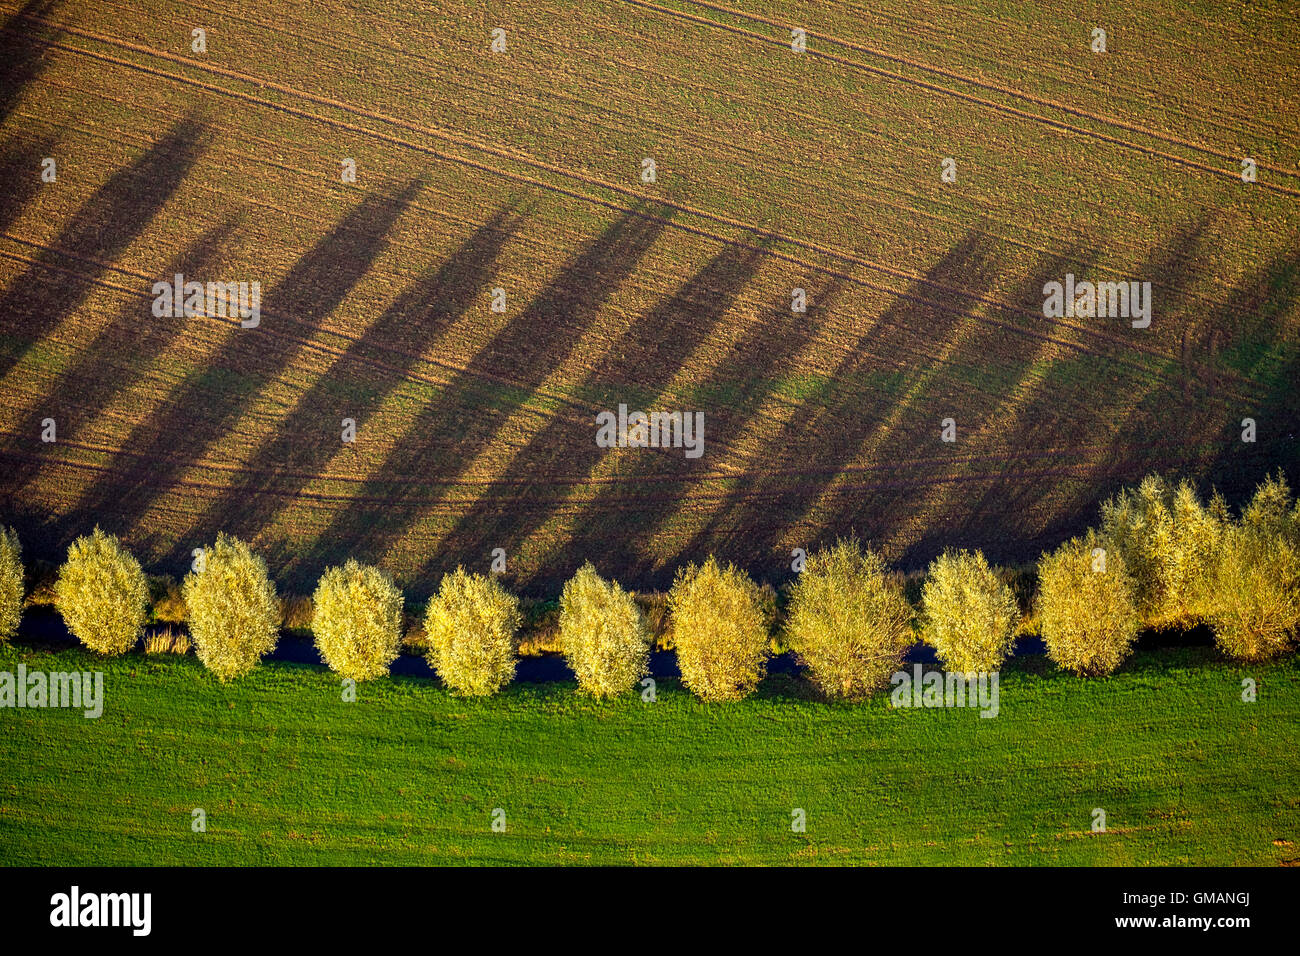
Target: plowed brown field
x,y
520,170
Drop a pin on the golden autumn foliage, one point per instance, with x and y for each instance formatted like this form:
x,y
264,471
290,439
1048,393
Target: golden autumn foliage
x,y
1086,606
232,608
849,623
11,583
1254,592
968,614
472,626
1167,539
357,620
102,593
720,625
603,634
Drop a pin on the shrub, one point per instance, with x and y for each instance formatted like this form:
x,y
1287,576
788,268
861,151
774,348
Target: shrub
x,y
358,620
1255,611
603,634
720,629
1167,539
166,602
102,593
232,609
296,612
848,623
1088,617
167,641
41,578
472,627
11,583
969,615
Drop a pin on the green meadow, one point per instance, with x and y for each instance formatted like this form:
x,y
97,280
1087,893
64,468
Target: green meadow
x,y
288,772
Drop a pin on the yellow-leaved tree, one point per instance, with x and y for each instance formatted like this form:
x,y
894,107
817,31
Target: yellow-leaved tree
x,y
719,625
357,620
1167,539
232,609
603,634
102,593
1087,608
11,583
968,614
848,623
1254,590
473,625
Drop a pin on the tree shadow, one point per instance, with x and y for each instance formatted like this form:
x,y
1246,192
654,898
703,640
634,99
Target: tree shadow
x,y
1120,411
116,355
647,357
824,435
1253,343
211,399
20,172
628,527
23,52
308,437
496,382
98,233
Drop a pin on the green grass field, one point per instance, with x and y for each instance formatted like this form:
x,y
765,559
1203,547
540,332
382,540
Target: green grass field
x,y
288,773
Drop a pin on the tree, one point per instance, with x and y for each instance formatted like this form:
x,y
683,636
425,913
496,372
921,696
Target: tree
x,y
720,629
603,634
232,608
969,615
1167,539
11,583
357,620
102,593
472,626
848,622
1086,606
1254,591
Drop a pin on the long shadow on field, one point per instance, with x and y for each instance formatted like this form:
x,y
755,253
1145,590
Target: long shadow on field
x,y
801,459
628,527
308,437
1119,406
211,399
972,502
23,51
1253,341
20,172
643,363
98,233
116,355
468,414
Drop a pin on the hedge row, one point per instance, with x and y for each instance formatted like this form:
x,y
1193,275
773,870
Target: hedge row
x,y
1161,557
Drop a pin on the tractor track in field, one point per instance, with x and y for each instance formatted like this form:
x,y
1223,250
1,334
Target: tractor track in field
x,y
308,344
580,410
757,231
894,464
442,505
897,205
979,84
978,43
1189,299
454,370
